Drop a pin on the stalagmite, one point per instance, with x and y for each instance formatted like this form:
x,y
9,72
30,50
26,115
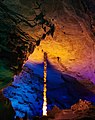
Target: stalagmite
x,y
45,86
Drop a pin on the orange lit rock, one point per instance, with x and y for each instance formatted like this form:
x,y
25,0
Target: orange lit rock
x,y
73,41
82,105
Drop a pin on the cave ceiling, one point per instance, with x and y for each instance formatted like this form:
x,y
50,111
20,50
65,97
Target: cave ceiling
x,y
73,42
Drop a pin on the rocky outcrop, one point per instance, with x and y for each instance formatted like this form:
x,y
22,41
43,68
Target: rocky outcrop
x,y
26,92
81,106
69,114
73,40
81,111
6,110
16,43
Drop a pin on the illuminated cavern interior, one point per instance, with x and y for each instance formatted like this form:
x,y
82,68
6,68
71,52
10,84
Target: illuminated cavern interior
x,y
64,81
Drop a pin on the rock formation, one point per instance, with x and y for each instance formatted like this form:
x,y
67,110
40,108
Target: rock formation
x,y
6,109
26,92
73,40
16,42
66,34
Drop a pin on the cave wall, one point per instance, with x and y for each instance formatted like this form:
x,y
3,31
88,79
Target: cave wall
x,y
74,36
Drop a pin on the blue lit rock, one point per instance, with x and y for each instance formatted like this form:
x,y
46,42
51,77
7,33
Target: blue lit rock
x,y
26,92
25,97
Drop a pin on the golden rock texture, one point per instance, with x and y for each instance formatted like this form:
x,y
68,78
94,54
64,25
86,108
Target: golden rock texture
x,y
72,47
